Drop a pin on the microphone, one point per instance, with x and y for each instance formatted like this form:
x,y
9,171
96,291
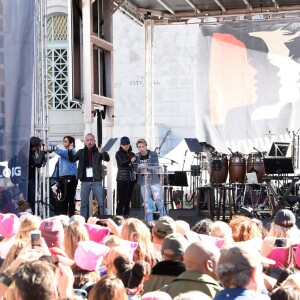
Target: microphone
x,y
174,162
230,150
257,150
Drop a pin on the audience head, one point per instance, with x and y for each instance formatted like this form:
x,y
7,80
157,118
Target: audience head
x,y
157,295
97,233
221,229
174,246
163,226
202,257
9,225
283,226
136,231
52,231
89,255
119,220
132,275
203,226
28,224
109,287
240,267
110,257
285,273
35,280
77,218
244,229
74,233
288,290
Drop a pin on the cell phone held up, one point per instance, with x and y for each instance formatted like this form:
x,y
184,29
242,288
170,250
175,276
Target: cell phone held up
x,y
36,241
102,222
280,242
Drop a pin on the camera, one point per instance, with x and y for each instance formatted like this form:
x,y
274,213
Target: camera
x,y
36,239
50,147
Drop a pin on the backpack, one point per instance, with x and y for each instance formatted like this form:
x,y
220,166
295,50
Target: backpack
x,y
82,292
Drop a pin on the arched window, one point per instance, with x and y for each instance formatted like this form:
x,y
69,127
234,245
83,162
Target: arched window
x,y
57,63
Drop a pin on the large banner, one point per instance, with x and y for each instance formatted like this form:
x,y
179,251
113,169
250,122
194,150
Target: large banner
x,y
16,86
247,84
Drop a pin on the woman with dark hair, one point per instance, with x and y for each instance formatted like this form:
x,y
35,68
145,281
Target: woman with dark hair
x,y
132,275
125,176
66,172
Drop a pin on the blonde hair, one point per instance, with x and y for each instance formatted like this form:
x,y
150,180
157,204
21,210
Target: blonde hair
x,y
12,254
28,224
141,141
74,233
221,229
136,231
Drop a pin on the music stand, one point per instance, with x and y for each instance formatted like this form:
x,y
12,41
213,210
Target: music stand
x,y
109,144
279,149
194,145
179,178
279,165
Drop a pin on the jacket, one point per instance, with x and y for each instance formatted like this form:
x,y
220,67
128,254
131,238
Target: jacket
x,y
192,281
163,273
123,159
153,161
97,158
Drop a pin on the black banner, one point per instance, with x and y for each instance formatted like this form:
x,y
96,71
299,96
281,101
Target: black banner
x,y
16,96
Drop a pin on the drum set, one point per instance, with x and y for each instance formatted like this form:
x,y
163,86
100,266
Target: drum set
x,y
236,166
229,187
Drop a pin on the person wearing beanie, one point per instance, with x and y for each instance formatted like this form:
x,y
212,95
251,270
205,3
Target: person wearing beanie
x,y
283,228
126,178
88,258
9,226
52,231
147,165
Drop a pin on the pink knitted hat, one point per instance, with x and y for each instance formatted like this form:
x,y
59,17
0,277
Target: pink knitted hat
x,y
52,231
97,233
89,254
9,225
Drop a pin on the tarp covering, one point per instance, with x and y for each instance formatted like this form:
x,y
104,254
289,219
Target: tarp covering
x,y
16,80
247,84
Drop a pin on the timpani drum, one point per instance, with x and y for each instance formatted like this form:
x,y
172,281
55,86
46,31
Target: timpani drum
x,y
219,176
255,163
237,168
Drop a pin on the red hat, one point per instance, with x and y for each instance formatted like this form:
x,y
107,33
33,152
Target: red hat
x,y
9,225
97,233
89,254
52,231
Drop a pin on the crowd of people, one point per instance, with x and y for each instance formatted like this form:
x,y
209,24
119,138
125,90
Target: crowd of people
x,y
77,256
65,257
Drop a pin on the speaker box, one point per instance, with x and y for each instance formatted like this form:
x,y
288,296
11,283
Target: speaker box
x,y
138,213
189,215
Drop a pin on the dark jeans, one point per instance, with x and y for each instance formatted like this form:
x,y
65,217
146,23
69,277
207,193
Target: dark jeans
x,y
68,192
125,192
